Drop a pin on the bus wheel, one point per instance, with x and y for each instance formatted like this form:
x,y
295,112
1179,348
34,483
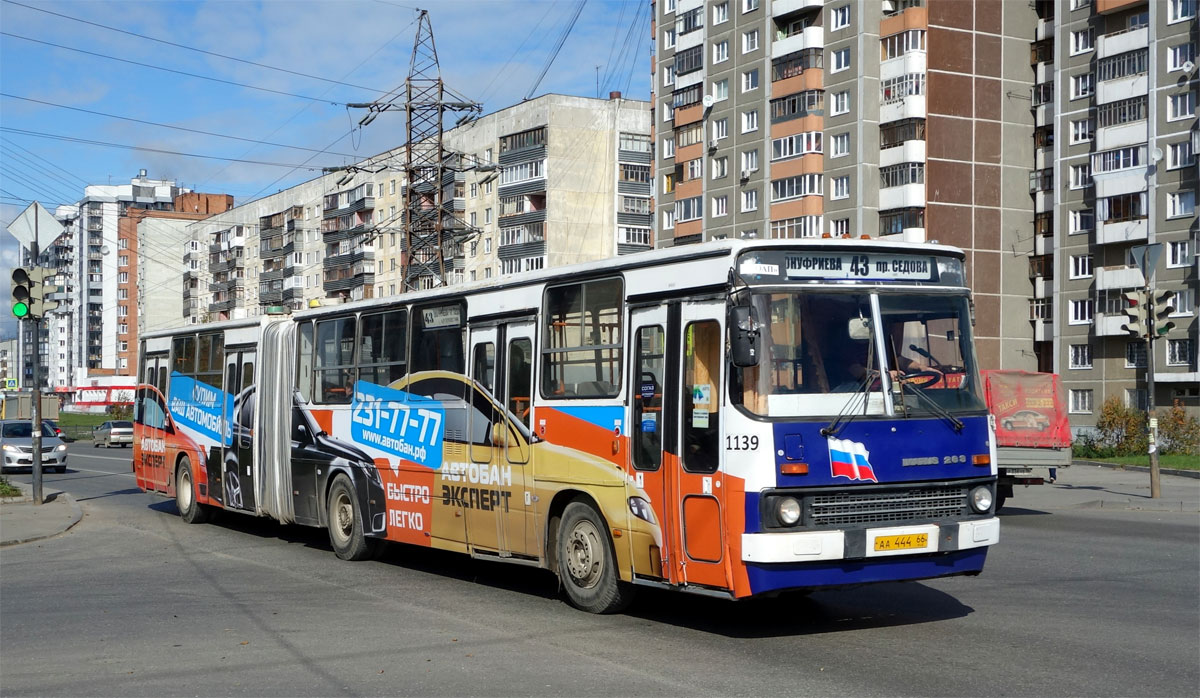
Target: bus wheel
x,y
346,524
190,510
586,563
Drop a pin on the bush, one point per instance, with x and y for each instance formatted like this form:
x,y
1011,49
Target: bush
x,y
124,412
1087,445
1179,433
1121,428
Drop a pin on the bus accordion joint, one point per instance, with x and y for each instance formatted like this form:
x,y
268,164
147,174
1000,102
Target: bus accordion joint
x,y
794,469
981,459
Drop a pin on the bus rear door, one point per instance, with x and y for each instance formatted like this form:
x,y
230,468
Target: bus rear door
x,y
237,463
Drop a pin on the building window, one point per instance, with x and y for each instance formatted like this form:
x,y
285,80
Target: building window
x,y
689,135
1082,130
894,90
1178,55
720,206
1181,106
795,187
1181,203
1135,398
799,227
750,80
841,187
1179,352
635,173
720,129
1180,155
1123,207
896,133
902,174
750,200
894,222
840,144
749,121
1082,85
841,103
689,209
840,17
1083,41
1081,266
487,215
839,227
750,161
689,21
689,60
668,182
668,148
1119,159
669,38
897,45
1121,112
668,218
1042,93
1177,253
720,51
1081,356
668,75
1179,10
795,146
796,106
1081,312
487,245
1081,401
1135,354
1184,302
749,41
720,90
721,13
1082,221
749,5
720,168
1081,176
841,60
1135,62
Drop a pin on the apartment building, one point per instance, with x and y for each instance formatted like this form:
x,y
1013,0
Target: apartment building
x,y
1116,135
803,118
551,181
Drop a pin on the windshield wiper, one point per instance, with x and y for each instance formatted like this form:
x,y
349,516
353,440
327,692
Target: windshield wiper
x,y
931,403
845,416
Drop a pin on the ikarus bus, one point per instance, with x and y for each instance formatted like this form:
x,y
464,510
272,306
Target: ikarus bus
x,y
737,418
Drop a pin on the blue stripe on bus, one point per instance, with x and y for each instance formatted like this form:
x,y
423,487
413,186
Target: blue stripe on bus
x,y
764,578
604,416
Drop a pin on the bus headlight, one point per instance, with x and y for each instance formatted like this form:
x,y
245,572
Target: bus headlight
x,y
642,509
787,509
981,499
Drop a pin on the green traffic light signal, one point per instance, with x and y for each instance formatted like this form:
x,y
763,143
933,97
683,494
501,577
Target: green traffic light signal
x,y
20,309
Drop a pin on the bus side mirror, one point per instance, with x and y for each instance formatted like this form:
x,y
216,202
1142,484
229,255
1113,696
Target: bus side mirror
x,y
743,336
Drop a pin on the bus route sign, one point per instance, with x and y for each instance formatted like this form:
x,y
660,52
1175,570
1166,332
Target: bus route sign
x,y
856,265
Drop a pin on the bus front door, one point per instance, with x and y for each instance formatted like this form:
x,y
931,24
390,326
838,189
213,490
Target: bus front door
x,y
150,433
696,345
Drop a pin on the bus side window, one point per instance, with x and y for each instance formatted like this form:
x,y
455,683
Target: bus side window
x,y
335,371
520,378
647,398
304,362
701,397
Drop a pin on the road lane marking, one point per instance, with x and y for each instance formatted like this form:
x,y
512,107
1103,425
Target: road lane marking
x,y
102,472
125,460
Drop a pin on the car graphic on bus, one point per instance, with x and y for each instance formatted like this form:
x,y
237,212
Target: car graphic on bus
x,y
1026,419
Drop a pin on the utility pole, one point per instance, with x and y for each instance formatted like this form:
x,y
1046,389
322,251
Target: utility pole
x,y
1155,323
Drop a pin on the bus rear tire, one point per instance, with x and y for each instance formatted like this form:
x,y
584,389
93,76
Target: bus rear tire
x,y
190,510
586,562
346,523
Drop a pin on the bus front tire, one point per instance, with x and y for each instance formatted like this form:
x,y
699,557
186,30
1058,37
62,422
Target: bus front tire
x,y
586,563
346,522
190,510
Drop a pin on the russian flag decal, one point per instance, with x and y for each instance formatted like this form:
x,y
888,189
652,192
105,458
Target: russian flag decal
x,y
850,459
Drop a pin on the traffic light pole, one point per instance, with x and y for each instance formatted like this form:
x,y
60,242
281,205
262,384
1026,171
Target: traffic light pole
x,y
1152,421
37,392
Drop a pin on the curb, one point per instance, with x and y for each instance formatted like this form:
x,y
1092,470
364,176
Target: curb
x,y
1131,505
76,514
1194,474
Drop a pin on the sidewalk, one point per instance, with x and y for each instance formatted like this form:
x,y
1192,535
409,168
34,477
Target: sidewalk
x,y
22,522
1104,486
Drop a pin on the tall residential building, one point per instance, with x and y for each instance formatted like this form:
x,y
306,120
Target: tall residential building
x,y
901,119
1116,136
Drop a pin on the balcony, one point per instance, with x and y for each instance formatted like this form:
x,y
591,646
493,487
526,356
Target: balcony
x,y
1122,42
914,61
906,235
1122,88
1109,325
809,37
1043,330
1043,287
1043,244
1121,135
1116,232
1044,30
1126,181
908,151
1119,277
904,196
911,107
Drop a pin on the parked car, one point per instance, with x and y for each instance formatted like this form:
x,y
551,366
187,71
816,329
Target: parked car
x,y
113,432
16,443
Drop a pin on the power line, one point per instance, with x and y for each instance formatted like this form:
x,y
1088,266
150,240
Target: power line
x,y
45,172
23,180
55,166
557,47
177,128
85,141
172,70
191,48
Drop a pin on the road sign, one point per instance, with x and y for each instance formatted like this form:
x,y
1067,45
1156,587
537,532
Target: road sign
x,y
10,383
34,225
1146,258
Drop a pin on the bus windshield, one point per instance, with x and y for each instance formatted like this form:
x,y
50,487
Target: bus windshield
x,y
820,351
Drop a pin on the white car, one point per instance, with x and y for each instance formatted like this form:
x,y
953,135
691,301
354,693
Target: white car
x,y
16,442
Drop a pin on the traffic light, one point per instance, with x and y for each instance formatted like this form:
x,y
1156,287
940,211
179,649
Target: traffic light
x,y
22,291
1135,313
1162,308
29,293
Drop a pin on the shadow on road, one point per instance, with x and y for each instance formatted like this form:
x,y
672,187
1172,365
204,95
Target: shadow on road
x,y
114,493
1010,510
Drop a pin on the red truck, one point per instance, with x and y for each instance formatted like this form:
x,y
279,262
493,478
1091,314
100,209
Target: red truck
x,y
1032,430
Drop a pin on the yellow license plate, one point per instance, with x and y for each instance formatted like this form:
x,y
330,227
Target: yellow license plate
x,y
907,541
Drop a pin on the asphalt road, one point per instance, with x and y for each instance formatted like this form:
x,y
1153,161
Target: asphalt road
x,y
132,602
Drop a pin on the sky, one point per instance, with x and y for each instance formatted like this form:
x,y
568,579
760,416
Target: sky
x,y
489,51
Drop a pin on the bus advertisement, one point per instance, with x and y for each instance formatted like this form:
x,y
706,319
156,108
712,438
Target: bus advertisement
x,y
737,418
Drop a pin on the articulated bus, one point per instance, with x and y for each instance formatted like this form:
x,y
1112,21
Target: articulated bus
x,y
736,418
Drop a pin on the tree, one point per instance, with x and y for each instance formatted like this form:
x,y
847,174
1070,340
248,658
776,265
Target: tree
x,y
1179,433
1122,428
